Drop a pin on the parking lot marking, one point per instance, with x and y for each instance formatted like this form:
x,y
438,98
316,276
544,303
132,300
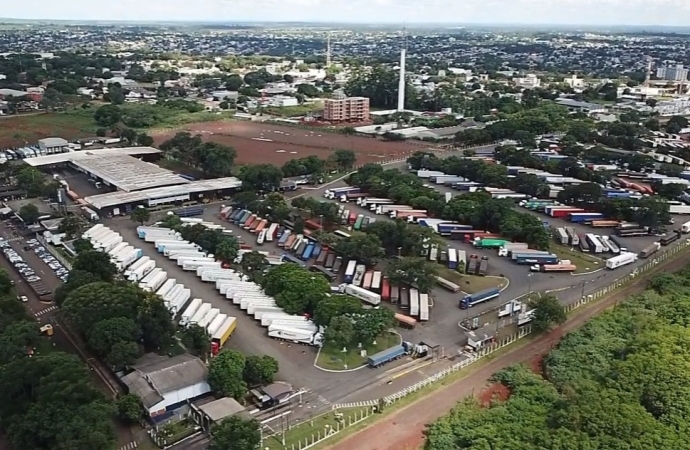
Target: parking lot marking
x,y
129,446
45,311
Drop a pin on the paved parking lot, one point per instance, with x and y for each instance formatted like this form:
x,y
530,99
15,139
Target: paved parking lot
x,y
296,362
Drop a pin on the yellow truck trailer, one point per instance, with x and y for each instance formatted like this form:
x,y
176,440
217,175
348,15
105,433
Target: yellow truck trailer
x,y
221,336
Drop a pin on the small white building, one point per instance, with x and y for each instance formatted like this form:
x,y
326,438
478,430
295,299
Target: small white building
x,y
163,383
530,81
574,82
280,101
53,145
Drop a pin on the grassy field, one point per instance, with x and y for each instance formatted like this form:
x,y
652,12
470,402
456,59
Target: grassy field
x,y
583,261
471,283
292,111
21,130
334,359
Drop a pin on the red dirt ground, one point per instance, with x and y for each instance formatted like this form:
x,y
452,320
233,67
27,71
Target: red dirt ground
x,y
258,142
496,392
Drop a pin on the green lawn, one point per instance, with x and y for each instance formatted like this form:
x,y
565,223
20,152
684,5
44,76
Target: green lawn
x,y
583,261
471,283
334,359
320,424
292,111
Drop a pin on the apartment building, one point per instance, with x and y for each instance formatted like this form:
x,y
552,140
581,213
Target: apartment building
x,y
677,73
346,109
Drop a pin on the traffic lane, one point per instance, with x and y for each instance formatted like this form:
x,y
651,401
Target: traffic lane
x,y
296,362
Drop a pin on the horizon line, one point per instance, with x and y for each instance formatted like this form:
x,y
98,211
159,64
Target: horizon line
x,y
328,22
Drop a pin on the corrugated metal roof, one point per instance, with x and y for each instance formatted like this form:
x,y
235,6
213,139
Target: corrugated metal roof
x,y
120,198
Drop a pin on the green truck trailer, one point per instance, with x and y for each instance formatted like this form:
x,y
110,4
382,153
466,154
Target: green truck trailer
x,y
490,243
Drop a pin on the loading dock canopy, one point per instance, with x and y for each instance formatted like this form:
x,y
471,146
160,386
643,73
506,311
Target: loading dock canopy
x,y
161,194
116,167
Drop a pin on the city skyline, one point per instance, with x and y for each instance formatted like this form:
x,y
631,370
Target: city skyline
x,y
513,12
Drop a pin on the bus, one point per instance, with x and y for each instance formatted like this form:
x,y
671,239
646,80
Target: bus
x,y
358,222
330,276
452,287
286,257
342,234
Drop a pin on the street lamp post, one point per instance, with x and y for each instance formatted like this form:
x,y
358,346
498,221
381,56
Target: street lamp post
x,y
529,283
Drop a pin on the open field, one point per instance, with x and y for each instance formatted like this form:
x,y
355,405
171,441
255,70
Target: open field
x,y
257,142
334,359
17,131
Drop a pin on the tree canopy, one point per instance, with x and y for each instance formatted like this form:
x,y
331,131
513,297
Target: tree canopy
x,y
295,289
619,382
236,433
215,160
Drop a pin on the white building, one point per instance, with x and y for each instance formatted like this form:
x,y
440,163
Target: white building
x,y
574,82
672,73
280,101
164,383
53,145
530,81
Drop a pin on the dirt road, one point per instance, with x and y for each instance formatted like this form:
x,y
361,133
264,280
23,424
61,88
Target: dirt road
x,y
404,429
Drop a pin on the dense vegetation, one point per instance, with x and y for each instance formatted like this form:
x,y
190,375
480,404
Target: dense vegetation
x,y
621,382
47,400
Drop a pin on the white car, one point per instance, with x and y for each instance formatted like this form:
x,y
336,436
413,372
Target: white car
x,y
23,298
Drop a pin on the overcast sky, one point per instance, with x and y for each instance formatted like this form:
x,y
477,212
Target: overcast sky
x,y
582,12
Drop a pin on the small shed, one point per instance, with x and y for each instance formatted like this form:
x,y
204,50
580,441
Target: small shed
x,y
52,145
208,415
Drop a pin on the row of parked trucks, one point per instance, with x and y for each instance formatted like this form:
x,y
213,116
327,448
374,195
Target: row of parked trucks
x,y
234,286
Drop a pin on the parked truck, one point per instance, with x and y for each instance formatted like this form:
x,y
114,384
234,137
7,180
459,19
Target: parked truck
x,y
388,355
363,294
650,250
490,243
155,282
220,337
483,296
142,271
668,239
623,259
190,311
296,335
561,267
529,259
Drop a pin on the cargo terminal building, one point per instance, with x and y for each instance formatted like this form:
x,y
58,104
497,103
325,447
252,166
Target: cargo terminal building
x,y
134,181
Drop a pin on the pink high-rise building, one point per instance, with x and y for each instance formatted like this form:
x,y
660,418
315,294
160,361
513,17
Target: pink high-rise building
x,y
346,109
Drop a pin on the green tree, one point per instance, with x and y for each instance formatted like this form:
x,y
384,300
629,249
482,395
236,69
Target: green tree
x,y
308,90
365,248
197,339
144,140
548,312
29,213
345,159
335,306
82,245
416,272
372,323
261,177
236,433
70,225
108,115
128,135
340,332
5,282
16,338
140,215
123,353
225,374
76,279
129,408
227,249
295,289
260,370
254,264
103,335
97,263
216,160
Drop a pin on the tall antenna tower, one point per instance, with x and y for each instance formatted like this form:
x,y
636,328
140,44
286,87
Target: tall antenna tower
x,y
401,82
328,51
648,76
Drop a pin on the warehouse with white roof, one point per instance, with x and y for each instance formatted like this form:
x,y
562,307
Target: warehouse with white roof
x,y
133,181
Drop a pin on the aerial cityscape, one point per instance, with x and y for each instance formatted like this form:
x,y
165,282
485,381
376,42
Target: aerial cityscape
x,y
299,228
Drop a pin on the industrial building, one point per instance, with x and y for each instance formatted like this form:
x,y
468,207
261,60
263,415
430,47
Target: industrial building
x,y
131,181
53,145
164,384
